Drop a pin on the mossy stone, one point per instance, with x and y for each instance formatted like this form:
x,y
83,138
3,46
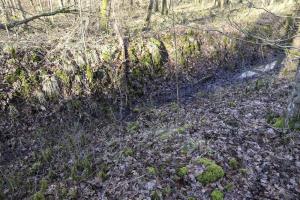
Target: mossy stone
x,y
146,58
189,45
50,87
156,49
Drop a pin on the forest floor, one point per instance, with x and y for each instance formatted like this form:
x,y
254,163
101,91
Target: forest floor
x,y
159,153
223,138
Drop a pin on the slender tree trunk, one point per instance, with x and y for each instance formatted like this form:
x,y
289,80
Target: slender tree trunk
x,y
33,5
224,3
149,14
156,9
293,111
41,5
123,44
11,8
61,3
51,9
104,14
4,10
21,9
164,7
218,3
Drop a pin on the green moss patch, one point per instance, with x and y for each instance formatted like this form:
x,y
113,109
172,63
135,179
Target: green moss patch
x,y
89,74
217,195
205,161
279,122
212,173
183,171
233,163
38,196
128,152
43,185
133,127
152,170
63,77
229,187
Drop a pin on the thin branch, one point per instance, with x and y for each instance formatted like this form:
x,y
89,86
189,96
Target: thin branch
x,y
25,21
251,5
244,31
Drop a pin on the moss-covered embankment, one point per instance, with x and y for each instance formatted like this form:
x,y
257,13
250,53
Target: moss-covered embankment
x,y
43,75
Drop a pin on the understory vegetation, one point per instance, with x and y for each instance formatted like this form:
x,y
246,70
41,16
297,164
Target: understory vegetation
x,y
149,99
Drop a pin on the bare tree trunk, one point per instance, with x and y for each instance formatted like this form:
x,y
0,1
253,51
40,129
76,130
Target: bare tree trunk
x,y
170,4
41,6
164,7
12,7
4,10
33,5
21,9
51,9
149,14
103,14
123,44
61,3
156,9
293,111
217,3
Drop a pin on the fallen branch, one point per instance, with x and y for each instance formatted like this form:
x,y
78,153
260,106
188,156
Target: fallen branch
x,y
25,21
